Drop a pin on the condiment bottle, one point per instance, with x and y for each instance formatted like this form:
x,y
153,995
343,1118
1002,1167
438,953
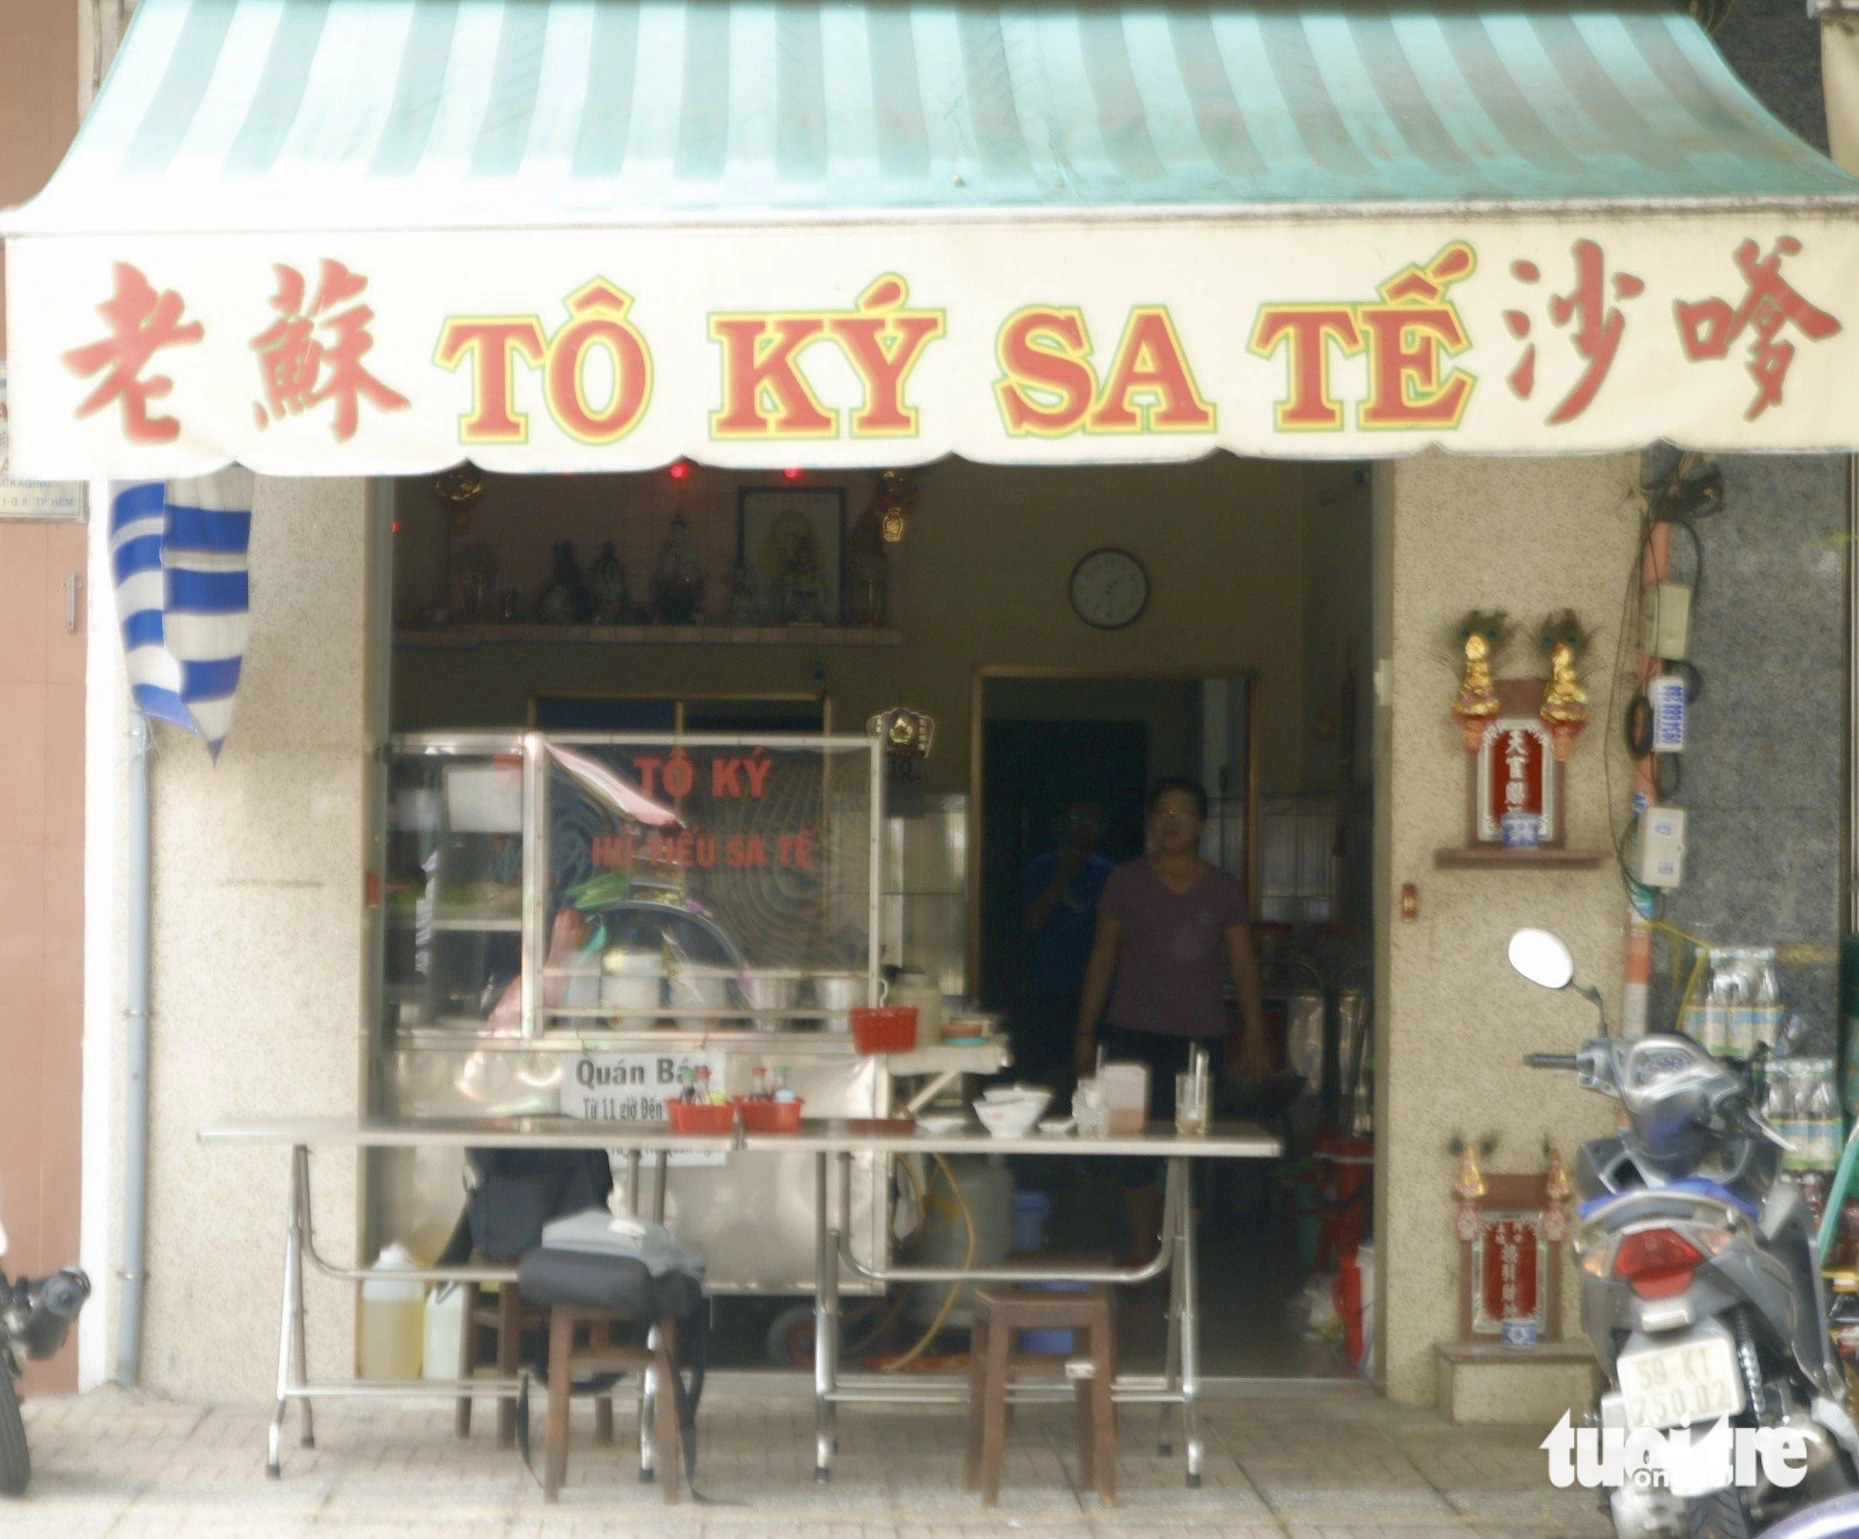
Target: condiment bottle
x,y
687,1081
782,1093
760,1092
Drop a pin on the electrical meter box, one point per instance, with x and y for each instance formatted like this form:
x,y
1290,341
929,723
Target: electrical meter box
x,y
1665,620
1659,852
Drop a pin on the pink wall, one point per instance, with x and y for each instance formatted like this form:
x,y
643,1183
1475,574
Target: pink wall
x,y
41,751
38,98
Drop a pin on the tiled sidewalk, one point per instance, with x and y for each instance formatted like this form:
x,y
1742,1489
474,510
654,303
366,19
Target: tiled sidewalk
x,y
1303,1466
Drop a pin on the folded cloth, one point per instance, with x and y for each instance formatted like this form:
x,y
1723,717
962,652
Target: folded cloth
x,y
597,1232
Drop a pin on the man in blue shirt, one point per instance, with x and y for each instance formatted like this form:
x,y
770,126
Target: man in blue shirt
x,y
1061,890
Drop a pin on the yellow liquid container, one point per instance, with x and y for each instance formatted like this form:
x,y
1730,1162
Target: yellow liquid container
x,y
391,1329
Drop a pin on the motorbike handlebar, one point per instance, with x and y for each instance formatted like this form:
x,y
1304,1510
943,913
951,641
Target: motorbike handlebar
x,y
1551,1061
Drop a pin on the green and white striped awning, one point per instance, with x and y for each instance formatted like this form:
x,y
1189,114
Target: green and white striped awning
x,y
377,114
1214,163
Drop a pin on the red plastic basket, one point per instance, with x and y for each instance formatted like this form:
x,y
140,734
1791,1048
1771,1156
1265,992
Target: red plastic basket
x,y
885,1028
769,1116
697,1117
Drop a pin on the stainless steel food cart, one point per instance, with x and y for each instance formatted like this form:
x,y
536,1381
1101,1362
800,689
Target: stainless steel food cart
x,y
737,872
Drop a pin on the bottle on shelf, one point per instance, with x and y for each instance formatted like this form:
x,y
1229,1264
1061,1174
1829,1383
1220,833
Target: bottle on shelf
x,y
1716,1026
1767,998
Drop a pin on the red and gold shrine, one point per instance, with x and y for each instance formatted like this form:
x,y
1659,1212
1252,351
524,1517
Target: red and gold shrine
x,y
1511,1230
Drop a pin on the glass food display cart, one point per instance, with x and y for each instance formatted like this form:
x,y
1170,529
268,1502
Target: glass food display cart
x,y
581,924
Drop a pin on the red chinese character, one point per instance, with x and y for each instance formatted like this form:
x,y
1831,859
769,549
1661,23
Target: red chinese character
x,y
1708,327
1597,333
300,370
141,323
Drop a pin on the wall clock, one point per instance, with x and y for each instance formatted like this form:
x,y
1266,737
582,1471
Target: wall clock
x,y
1109,589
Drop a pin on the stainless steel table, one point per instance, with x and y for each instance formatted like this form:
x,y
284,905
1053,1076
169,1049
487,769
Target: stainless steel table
x,y
829,1142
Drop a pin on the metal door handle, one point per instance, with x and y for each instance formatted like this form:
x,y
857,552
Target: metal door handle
x,y
73,583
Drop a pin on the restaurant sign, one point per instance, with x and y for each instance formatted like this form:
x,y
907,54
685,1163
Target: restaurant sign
x,y
634,1087
1029,342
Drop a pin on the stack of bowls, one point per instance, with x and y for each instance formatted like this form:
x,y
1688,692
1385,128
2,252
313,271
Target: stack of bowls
x,y
1009,1111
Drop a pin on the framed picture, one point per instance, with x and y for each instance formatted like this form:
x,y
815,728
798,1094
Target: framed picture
x,y
792,544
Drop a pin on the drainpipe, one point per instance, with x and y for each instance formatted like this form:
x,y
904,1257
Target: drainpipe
x,y
135,1120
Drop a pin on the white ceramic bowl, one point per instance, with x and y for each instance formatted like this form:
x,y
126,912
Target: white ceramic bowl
x,y
1057,1127
942,1123
1011,1119
1001,1094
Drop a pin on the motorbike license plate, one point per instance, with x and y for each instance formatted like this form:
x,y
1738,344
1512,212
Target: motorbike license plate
x,y
1672,1386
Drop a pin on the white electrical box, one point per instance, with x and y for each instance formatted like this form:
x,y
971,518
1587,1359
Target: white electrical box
x,y
1659,850
1665,620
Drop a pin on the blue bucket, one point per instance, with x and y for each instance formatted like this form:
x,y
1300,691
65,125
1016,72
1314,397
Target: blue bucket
x,y
1046,1342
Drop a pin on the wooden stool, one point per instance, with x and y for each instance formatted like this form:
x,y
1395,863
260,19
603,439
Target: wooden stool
x,y
1000,1314
507,1317
600,1354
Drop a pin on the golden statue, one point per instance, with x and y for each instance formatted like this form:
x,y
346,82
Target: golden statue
x,y
1481,636
1565,703
1470,1185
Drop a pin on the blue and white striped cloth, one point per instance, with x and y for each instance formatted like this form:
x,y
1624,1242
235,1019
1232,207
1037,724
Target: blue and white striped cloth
x,y
178,554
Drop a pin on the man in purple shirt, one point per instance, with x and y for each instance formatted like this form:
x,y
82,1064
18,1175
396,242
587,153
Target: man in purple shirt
x,y
1169,928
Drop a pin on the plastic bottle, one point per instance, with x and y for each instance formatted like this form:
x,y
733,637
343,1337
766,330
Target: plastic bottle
x,y
443,1356
1740,1017
1767,998
687,1082
1778,1107
1716,1031
1821,1114
760,1090
782,1093
392,1324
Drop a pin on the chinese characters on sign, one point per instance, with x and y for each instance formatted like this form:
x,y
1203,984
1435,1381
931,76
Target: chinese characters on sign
x,y
1597,333
1404,353
1516,777
1710,327
1508,1244
141,321
311,354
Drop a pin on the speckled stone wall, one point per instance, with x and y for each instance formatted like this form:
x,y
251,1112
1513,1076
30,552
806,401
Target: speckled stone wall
x,y
1764,771
1525,536
259,978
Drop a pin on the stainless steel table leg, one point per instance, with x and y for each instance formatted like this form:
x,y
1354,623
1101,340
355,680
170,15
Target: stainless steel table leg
x,y
290,1326
1187,1318
302,1350
649,1387
825,1316
1171,1367
649,1391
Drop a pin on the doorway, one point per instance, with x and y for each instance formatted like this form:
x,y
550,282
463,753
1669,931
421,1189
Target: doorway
x,y
1044,743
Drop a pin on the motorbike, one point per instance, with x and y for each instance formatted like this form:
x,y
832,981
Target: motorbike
x,y
35,1318
1701,1292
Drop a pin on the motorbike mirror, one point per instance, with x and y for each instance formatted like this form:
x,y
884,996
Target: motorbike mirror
x,y
1542,958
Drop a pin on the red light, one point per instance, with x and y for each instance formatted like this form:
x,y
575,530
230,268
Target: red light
x,y
680,470
395,528
793,472
1656,1263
